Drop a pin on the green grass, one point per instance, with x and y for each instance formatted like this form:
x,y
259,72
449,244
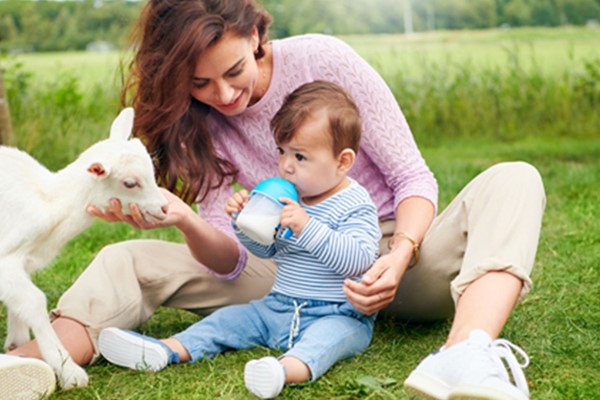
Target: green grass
x,y
551,50
466,116
558,324
88,67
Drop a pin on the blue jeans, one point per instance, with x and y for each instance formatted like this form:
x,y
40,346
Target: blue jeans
x,y
318,333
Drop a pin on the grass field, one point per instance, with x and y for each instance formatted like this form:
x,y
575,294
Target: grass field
x,y
558,325
552,50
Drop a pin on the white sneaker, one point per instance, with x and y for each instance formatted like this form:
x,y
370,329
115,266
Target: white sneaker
x,y
472,369
135,351
24,378
264,377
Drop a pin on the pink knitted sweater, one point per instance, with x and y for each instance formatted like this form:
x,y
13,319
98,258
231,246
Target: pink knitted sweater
x,y
389,164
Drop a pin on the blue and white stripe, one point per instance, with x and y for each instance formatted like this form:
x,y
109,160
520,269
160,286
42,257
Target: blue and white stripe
x,y
340,241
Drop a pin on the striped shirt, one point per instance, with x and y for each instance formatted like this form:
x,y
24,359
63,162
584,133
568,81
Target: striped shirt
x,y
340,241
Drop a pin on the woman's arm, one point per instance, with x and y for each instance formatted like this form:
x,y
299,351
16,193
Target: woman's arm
x,y
392,169
209,245
379,285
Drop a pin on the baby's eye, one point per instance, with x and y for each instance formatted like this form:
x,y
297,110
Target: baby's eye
x,y
280,150
300,157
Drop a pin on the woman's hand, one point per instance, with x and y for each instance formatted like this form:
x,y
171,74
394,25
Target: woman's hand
x,y
236,203
177,212
379,284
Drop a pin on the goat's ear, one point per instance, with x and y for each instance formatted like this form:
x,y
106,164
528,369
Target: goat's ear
x,y
122,125
98,170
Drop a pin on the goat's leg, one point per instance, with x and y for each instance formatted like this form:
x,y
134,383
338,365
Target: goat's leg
x,y
28,302
17,332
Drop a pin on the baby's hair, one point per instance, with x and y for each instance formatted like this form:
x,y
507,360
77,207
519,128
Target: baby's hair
x,y
343,116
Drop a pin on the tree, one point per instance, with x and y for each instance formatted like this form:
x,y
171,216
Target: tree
x,y
5,125
517,13
408,22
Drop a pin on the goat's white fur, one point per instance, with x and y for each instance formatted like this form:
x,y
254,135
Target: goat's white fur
x,y
40,211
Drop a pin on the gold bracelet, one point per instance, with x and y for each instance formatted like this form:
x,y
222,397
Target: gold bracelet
x,y
415,245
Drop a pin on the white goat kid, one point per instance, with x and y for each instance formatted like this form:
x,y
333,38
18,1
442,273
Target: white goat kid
x,y
40,211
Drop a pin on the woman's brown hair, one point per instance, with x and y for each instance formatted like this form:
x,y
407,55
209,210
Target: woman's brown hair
x,y
168,40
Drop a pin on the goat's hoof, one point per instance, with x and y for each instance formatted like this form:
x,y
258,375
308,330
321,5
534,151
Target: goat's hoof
x,y
13,341
72,376
9,347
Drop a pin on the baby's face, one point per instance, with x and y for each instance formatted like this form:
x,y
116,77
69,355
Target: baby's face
x,y
308,161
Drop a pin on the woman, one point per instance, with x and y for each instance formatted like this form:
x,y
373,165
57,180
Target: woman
x,y
205,83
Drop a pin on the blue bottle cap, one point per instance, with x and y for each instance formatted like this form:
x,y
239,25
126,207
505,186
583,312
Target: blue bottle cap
x,y
275,188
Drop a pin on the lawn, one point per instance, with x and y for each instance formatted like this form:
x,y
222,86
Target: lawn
x,y
558,325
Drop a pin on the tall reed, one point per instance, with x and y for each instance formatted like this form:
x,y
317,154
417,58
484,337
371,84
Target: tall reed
x,y
456,100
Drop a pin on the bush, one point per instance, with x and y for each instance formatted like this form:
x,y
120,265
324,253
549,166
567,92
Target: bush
x,y
449,101
55,121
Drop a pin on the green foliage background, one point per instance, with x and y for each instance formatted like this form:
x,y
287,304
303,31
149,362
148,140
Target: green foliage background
x,y
495,84
71,25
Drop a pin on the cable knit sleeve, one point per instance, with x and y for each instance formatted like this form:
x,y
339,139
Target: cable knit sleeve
x,y
389,151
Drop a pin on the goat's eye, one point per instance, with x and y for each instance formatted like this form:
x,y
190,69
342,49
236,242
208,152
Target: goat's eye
x,y
130,183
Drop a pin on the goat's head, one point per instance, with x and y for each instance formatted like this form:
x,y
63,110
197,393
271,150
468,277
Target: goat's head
x,y
123,169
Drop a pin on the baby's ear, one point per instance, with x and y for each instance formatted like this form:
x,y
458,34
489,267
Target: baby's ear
x,y
346,160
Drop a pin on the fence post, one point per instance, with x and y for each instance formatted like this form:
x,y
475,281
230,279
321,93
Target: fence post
x,y
6,133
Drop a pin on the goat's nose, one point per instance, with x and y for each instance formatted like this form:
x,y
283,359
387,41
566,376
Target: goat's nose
x,y
164,209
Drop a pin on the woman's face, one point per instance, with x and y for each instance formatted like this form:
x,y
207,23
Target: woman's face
x,y
226,74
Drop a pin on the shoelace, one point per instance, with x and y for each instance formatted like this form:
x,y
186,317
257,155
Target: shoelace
x,y
505,350
295,325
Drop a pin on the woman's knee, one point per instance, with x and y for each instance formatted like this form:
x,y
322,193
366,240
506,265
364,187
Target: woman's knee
x,y
517,179
519,171
115,256
134,257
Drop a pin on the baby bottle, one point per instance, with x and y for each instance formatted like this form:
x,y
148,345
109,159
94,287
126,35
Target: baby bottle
x,y
259,219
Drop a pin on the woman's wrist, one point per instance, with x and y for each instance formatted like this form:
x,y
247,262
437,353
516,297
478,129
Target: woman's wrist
x,y
186,223
402,241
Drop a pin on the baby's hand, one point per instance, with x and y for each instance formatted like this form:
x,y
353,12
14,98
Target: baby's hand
x,y
293,216
236,203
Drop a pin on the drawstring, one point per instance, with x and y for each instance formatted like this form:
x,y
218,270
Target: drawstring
x,y
295,325
504,349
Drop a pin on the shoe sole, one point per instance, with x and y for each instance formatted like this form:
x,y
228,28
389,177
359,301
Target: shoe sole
x,y
259,376
471,392
130,351
425,387
26,379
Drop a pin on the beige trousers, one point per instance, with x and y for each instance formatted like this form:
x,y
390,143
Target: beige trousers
x,y
493,224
